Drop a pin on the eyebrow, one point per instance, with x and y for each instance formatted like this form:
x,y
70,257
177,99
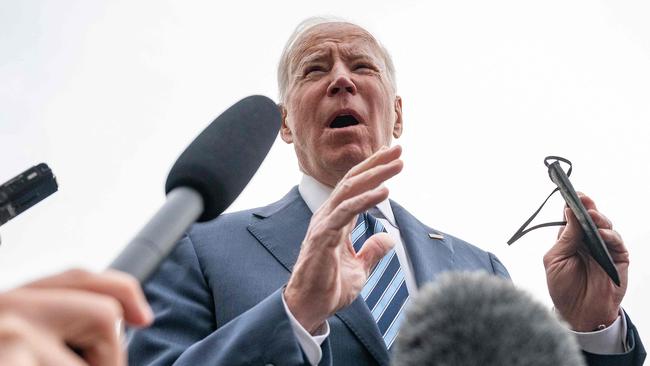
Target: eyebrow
x,y
322,55
362,57
317,56
354,54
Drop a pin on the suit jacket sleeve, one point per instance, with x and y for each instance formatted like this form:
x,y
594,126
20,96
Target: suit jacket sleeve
x,y
634,357
185,332
497,267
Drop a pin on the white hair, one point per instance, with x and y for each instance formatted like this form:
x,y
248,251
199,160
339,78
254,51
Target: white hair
x,y
284,72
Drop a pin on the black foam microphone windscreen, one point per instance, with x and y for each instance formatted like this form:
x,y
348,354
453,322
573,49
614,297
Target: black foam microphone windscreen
x,y
207,177
225,156
479,319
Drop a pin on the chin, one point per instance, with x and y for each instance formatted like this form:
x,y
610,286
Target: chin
x,y
348,156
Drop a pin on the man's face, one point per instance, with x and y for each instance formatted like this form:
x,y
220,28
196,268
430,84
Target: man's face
x,y
340,106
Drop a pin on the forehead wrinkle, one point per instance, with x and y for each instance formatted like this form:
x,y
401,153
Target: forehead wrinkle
x,y
323,52
321,36
318,55
354,53
302,56
308,52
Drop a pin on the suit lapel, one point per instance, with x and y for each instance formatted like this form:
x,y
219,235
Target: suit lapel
x,y
281,230
429,257
358,318
282,227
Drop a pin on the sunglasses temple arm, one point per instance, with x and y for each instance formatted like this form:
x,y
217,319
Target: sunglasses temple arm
x,y
522,230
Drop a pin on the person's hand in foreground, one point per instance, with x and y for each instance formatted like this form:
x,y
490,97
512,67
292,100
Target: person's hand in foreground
x,y
71,318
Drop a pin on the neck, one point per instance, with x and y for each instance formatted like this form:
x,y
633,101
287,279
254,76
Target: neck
x,y
326,178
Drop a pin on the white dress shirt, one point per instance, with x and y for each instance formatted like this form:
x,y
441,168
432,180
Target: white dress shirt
x,y
606,341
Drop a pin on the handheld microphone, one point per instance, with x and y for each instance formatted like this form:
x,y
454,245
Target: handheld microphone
x,y
479,319
207,177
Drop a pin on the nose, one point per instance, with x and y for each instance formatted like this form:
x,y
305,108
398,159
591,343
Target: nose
x,y
341,83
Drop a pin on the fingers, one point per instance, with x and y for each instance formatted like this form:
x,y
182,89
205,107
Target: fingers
x,y
90,326
16,345
601,221
568,242
112,283
371,173
570,238
24,343
83,320
80,309
615,245
612,238
587,201
345,212
382,156
572,231
104,354
374,249
360,189
366,180
58,354
127,291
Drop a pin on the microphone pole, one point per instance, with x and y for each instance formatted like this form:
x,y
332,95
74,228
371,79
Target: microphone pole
x,y
157,238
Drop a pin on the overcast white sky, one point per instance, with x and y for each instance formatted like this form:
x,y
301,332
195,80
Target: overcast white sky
x,y
108,93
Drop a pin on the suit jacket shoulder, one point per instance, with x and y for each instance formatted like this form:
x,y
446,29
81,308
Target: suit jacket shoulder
x,y
441,252
235,223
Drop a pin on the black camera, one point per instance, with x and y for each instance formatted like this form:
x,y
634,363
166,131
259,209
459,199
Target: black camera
x,y
26,190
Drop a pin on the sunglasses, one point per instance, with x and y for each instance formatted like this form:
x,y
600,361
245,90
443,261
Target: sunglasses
x,y
594,242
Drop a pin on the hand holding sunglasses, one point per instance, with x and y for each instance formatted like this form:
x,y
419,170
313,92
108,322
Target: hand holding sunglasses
x,y
595,245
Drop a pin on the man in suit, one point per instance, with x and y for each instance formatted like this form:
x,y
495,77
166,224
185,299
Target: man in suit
x,y
322,275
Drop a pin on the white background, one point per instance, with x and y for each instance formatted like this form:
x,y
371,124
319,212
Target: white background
x,y
109,94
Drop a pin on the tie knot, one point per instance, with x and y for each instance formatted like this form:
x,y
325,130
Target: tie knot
x,y
367,225
374,225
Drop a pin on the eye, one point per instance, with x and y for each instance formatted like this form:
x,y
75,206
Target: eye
x,y
364,66
314,69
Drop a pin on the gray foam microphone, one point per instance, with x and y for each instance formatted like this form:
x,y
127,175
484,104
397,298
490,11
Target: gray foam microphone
x,y
479,319
207,177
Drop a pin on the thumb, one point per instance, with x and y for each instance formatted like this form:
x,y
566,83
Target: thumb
x,y
374,249
571,236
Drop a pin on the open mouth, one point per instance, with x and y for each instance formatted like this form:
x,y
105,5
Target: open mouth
x,y
344,121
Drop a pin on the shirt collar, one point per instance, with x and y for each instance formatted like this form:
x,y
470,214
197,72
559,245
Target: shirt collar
x,y
315,193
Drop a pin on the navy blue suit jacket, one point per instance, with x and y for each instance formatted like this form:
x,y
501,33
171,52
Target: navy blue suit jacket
x,y
217,298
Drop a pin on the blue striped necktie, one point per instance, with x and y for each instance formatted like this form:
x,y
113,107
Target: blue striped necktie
x,y
385,291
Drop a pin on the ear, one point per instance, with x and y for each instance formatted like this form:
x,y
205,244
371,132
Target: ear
x,y
285,131
397,127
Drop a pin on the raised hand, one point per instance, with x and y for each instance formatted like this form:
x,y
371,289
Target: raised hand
x,y
328,274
